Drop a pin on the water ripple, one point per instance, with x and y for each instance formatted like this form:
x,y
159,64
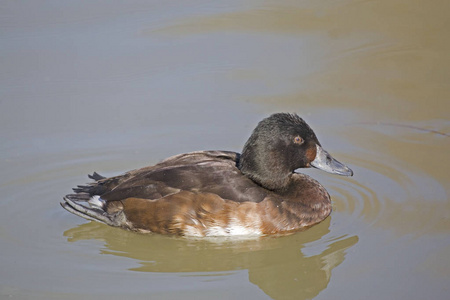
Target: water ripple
x,y
388,194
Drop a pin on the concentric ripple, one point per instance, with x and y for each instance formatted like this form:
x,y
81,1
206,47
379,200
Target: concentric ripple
x,y
392,188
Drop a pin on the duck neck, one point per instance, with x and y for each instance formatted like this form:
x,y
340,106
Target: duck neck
x,y
266,173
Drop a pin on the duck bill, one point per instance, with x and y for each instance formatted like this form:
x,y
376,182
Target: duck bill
x,y
324,161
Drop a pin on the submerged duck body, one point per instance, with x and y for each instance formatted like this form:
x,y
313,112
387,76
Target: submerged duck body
x,y
219,193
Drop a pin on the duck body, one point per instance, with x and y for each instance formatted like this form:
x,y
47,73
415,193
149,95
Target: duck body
x,y
219,193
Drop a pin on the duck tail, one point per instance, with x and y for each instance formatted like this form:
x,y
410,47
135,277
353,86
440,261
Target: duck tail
x,y
77,205
86,203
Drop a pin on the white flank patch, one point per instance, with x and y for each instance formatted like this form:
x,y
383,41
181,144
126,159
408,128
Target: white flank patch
x,y
216,231
236,228
96,201
192,231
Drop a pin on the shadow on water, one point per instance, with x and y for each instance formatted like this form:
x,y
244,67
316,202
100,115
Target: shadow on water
x,y
298,273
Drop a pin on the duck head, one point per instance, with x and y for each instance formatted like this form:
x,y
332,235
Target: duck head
x,y
278,146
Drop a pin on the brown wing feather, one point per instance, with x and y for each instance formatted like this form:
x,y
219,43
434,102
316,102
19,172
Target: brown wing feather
x,y
104,185
204,172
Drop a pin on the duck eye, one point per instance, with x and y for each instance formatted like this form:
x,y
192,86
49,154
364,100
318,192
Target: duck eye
x,y
298,140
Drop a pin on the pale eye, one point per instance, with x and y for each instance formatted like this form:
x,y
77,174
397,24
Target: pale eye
x,y
298,140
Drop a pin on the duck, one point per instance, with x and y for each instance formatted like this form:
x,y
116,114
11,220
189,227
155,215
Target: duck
x,y
220,193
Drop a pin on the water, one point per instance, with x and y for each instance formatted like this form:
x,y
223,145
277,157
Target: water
x,y
112,87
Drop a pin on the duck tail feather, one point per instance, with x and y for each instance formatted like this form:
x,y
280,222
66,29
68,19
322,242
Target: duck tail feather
x,y
95,176
85,189
94,213
79,196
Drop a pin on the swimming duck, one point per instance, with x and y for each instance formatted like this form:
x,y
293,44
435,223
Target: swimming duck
x,y
220,193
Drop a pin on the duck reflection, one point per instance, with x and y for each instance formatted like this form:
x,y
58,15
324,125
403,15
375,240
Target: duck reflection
x,y
277,265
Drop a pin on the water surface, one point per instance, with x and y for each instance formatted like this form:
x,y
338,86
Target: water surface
x,y
110,87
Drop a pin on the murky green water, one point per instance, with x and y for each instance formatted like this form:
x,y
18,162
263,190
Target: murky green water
x,y
109,87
